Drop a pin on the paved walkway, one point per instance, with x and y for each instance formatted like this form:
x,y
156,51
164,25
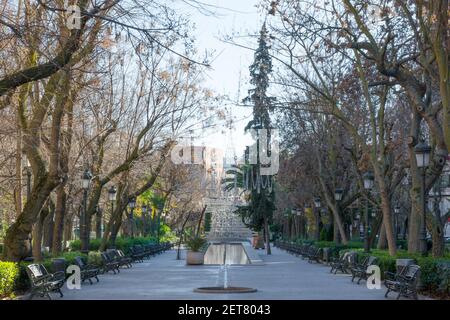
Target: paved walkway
x,y
281,276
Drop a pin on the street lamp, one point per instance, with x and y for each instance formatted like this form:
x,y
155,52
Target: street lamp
x,y
160,209
131,205
112,194
368,185
317,204
85,183
397,212
144,209
338,194
422,151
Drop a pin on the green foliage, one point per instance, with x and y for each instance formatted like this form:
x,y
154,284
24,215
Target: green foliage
x,y
95,258
195,243
166,234
125,244
9,273
94,245
122,243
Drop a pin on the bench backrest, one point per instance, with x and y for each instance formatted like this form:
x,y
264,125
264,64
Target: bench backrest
x,y
350,257
372,260
35,272
105,257
411,272
79,261
59,265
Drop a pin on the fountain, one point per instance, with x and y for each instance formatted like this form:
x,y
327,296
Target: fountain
x,y
226,236
225,287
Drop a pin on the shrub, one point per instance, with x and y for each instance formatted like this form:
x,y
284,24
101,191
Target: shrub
x,y
95,258
9,273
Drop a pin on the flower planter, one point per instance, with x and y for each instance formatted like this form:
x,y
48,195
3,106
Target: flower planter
x,y
194,258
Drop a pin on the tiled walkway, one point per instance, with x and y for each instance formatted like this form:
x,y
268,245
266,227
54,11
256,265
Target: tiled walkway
x,y
280,276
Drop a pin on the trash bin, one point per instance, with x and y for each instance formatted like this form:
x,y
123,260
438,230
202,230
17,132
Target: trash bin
x,y
401,263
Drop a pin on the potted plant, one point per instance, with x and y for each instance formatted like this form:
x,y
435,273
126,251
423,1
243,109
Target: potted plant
x,y
195,255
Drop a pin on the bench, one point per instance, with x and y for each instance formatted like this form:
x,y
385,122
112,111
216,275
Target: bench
x,y
120,257
109,263
359,270
344,263
315,255
404,281
43,282
87,271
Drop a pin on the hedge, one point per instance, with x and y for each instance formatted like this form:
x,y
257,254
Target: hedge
x,y
122,243
9,274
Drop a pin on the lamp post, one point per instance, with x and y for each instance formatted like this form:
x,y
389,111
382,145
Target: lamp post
x,y
131,205
422,151
317,204
86,182
112,194
397,212
286,224
368,185
144,209
160,209
298,214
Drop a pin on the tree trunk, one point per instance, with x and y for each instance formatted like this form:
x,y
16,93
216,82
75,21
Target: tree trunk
x,y
437,229
336,238
48,229
38,233
60,211
68,226
16,245
438,241
181,236
18,185
382,240
386,210
267,235
414,221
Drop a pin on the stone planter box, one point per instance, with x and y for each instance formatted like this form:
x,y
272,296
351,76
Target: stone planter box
x,y
195,258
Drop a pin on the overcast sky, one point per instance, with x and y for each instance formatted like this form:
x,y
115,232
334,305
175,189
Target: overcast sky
x,y
230,63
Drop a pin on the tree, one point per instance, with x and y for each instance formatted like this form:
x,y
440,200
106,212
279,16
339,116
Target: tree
x,y
261,195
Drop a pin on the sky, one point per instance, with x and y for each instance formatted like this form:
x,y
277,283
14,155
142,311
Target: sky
x,y
229,73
